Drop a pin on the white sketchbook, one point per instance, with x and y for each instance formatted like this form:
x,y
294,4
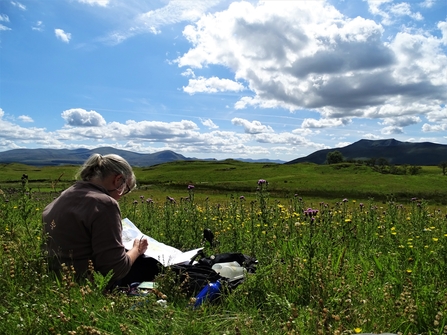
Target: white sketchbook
x,y
163,253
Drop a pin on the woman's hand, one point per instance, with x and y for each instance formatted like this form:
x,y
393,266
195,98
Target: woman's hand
x,y
140,245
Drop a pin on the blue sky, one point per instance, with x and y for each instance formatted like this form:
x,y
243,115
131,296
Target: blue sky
x,y
221,79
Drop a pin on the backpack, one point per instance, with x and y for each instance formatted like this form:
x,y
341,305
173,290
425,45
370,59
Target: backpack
x,y
195,276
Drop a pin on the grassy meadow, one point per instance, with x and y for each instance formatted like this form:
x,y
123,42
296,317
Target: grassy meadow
x,y
341,249
222,178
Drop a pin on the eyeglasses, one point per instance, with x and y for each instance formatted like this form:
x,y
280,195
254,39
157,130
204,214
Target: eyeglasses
x,y
125,190
122,190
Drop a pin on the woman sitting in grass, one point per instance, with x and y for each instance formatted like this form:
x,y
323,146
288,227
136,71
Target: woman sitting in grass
x,y
83,224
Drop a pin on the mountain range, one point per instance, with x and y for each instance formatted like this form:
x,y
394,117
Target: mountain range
x,y
51,157
395,152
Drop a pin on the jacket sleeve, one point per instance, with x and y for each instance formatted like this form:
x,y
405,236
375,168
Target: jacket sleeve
x,y
108,250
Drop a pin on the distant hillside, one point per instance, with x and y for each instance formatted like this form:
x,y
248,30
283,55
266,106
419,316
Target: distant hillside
x,y
395,152
48,157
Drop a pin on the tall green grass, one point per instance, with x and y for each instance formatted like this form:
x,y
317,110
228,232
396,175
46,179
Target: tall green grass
x,y
223,178
339,267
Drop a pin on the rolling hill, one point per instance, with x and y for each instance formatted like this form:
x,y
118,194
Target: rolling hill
x,y
395,152
53,157
48,157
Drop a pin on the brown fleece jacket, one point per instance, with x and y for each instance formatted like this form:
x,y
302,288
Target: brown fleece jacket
x,y
82,224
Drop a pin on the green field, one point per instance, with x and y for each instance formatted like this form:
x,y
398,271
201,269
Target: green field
x,y
325,182
341,250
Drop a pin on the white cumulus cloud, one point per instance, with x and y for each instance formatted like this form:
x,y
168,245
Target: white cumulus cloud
x,y
391,130
212,85
78,117
253,127
434,128
323,123
209,123
325,62
62,35
402,121
26,118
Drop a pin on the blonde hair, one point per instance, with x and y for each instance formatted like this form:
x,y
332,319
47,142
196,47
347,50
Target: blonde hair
x,y
98,166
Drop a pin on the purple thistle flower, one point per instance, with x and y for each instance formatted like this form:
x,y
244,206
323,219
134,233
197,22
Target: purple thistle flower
x,y
170,199
149,201
190,187
345,200
241,197
262,181
311,212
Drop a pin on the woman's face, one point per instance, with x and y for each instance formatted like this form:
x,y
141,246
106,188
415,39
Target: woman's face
x,y
120,187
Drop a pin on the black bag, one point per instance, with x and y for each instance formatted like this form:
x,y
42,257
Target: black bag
x,y
194,277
